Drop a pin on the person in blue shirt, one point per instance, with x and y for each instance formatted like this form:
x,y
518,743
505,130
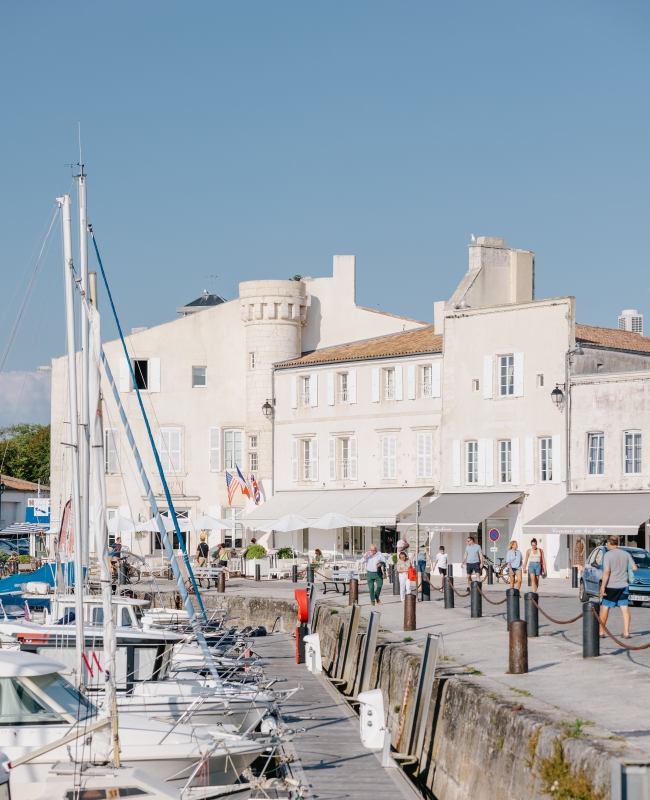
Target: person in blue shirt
x,y
473,559
514,558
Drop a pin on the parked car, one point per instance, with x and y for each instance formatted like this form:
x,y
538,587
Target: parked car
x,y
593,575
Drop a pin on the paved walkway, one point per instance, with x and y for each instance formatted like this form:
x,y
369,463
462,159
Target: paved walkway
x,y
611,690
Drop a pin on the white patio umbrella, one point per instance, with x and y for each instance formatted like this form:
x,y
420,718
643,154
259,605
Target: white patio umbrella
x,y
333,520
152,525
205,523
286,524
121,524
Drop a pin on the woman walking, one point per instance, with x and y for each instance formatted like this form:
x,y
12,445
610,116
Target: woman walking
x,y
535,562
403,566
513,560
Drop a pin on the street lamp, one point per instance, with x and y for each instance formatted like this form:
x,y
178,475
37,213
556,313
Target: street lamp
x,y
267,408
557,395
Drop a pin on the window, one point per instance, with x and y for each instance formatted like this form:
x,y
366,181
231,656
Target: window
x,y
475,384
199,377
345,458
252,442
309,460
141,370
170,449
425,455
389,457
540,381
546,459
111,451
232,449
596,454
632,452
506,375
344,395
505,461
251,360
427,381
234,537
389,388
472,462
253,462
306,394
126,621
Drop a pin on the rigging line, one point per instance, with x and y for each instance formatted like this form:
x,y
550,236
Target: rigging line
x,y
28,292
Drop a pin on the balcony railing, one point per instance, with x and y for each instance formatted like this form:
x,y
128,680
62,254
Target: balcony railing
x,y
305,398
426,389
345,468
390,393
344,396
308,470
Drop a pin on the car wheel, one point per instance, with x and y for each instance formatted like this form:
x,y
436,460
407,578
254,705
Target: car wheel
x,y
582,594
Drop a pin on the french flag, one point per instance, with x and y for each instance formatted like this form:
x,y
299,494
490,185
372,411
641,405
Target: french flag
x,y
242,483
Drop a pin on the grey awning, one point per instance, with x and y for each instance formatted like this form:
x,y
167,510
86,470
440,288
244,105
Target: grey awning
x,y
594,514
461,511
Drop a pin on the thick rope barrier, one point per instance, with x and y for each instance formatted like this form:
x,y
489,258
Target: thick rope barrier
x,y
557,621
493,602
618,641
456,592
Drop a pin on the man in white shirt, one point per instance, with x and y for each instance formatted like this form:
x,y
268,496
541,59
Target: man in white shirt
x,y
441,563
374,574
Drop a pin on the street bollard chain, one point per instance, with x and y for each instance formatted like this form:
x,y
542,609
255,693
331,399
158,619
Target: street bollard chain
x,y
493,602
618,641
556,621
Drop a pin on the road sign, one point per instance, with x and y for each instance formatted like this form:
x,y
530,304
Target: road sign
x,y
494,549
494,535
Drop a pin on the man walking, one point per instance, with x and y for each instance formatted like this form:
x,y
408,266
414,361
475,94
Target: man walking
x,y
473,559
374,573
614,588
202,552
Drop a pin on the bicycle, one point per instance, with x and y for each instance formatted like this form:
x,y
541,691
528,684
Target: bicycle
x,y
501,571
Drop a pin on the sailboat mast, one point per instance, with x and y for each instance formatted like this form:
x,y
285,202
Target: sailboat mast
x,y
68,283
84,451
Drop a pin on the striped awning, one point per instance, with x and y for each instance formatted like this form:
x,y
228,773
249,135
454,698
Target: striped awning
x,y
23,529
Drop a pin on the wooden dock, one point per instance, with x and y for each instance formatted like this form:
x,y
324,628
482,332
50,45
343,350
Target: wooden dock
x,y
330,758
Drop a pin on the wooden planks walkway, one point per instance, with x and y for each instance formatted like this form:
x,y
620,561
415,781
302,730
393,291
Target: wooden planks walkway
x,y
335,764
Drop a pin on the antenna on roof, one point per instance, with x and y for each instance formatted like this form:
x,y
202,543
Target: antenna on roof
x,y
210,277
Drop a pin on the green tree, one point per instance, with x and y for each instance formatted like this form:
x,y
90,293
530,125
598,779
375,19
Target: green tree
x,y
25,452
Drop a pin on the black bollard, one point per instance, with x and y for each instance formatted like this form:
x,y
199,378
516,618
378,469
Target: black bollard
x,y
310,574
221,582
449,592
475,599
490,575
512,606
426,587
294,573
395,580
574,577
353,591
531,613
518,650
590,630
257,572
409,612
450,570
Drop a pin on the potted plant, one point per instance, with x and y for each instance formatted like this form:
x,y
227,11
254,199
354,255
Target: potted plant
x,y
286,552
256,554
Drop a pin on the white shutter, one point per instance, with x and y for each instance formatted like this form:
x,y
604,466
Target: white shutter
x,y
375,384
313,455
455,457
215,449
154,375
294,460
488,373
392,456
331,455
175,450
480,463
514,462
489,462
294,392
410,382
352,386
530,460
125,376
111,450
163,449
435,379
352,453
557,458
399,391
331,377
313,390
518,388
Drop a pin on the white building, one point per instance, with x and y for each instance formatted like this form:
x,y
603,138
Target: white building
x,y
205,378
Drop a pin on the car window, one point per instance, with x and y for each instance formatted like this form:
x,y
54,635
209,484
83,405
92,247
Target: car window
x,y
641,558
598,558
592,557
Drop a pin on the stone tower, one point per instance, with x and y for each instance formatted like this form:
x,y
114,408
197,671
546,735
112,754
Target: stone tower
x,y
274,313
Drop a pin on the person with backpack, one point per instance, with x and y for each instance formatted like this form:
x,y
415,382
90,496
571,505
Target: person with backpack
x,y
514,558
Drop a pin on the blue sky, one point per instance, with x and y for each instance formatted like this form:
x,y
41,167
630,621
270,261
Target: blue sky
x,y
251,140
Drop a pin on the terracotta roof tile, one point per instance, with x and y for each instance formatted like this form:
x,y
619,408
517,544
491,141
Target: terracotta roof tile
x,y
19,485
422,340
612,338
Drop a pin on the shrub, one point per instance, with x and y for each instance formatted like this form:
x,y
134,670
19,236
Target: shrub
x,y
25,559
3,556
255,551
286,552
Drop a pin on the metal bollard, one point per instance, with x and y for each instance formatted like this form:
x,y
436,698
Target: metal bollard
x,y
294,573
310,574
574,577
449,592
221,582
512,606
409,612
490,578
426,587
395,580
518,650
257,572
450,570
475,600
590,630
353,592
531,613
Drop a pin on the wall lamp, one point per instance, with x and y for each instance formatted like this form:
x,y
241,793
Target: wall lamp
x,y
557,395
267,408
